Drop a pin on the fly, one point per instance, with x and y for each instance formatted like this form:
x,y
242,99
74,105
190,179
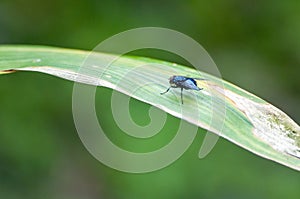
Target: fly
x,y
183,82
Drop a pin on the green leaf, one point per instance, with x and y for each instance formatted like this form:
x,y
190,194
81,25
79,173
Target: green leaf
x,y
250,122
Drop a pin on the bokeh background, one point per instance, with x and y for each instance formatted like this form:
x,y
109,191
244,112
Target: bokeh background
x,y
256,45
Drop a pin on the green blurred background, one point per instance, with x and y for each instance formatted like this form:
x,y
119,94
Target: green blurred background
x,y
256,45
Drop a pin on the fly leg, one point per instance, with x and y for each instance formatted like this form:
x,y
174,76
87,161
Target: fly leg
x,y
165,91
181,96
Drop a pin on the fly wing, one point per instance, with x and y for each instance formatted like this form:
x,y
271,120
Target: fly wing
x,y
201,79
190,84
201,82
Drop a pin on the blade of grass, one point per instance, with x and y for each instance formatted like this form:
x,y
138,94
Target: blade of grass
x,y
250,122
